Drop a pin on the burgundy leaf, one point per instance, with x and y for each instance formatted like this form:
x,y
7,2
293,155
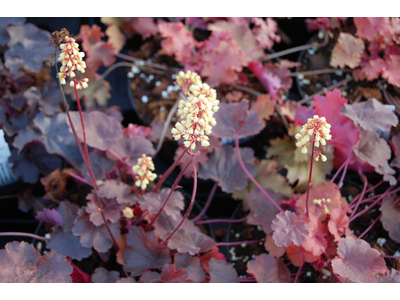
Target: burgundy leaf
x,y
21,263
268,269
54,134
142,251
51,98
35,159
118,190
371,115
236,118
153,202
94,236
190,264
100,164
289,228
102,275
101,130
188,238
262,211
4,23
127,280
223,167
357,261
132,147
170,275
271,82
62,240
391,218
50,216
149,277
111,209
222,272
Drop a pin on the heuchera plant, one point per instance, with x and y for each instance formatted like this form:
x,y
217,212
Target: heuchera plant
x,y
134,228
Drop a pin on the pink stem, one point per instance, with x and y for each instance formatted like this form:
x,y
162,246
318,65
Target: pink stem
x,y
353,203
251,177
31,235
165,175
362,194
239,243
189,208
298,273
221,221
79,178
210,197
169,195
119,158
309,178
370,226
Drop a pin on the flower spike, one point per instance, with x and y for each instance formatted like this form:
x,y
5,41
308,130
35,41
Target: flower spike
x,y
143,170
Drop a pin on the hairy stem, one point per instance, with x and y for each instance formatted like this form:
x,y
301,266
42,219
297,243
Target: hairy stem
x,y
298,273
309,177
189,208
170,169
30,235
361,195
170,194
221,221
251,177
77,177
239,243
208,202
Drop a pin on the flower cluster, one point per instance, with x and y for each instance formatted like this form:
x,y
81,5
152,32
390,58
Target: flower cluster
x,y
143,170
322,203
196,114
315,130
71,60
185,80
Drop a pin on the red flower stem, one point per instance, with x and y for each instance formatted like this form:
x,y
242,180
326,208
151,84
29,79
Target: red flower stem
x,y
239,243
119,158
372,205
208,202
221,221
362,194
77,177
189,208
369,227
170,169
353,203
344,165
338,170
89,167
309,178
30,235
251,177
169,195
298,273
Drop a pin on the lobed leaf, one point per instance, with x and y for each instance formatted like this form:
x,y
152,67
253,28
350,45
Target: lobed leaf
x,y
289,228
153,202
102,275
357,261
142,251
347,51
391,218
169,274
50,216
268,269
222,272
191,265
110,207
20,262
100,164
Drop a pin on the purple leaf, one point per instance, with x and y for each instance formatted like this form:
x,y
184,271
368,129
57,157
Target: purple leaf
x,y
94,236
101,275
50,216
51,98
268,269
62,240
357,261
153,202
170,275
188,238
236,118
127,280
223,167
262,211
54,134
222,272
142,251
100,165
29,48
190,264
132,147
391,218
4,22
21,263
371,115
118,190
289,228
101,130
149,277
35,159
111,209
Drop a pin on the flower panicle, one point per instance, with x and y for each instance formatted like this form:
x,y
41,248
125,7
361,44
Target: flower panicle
x,y
315,130
71,60
196,113
143,170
